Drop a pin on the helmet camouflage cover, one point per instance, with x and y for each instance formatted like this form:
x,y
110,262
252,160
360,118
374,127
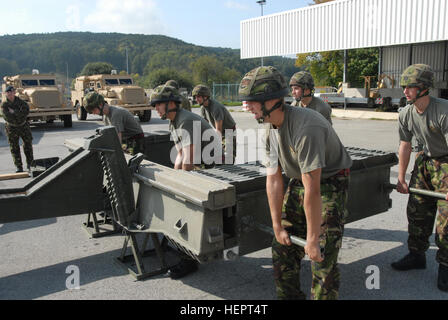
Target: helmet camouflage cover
x,y
92,100
164,93
302,79
263,83
417,75
172,83
201,90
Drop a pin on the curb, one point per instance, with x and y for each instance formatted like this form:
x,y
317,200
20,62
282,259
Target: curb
x,y
361,114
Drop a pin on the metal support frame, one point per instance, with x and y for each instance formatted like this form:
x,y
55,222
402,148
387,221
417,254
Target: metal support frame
x,y
97,228
134,263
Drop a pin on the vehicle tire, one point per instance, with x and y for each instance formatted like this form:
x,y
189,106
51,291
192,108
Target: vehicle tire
x,y
371,103
81,112
68,121
146,117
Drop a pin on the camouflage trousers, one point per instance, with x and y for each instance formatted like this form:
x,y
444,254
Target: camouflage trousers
x,y
287,259
428,174
133,146
24,132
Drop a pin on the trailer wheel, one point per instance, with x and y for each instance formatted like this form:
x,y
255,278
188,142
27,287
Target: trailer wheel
x,y
146,117
67,121
81,112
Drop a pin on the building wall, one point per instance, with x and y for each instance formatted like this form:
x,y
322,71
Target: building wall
x,y
397,58
345,24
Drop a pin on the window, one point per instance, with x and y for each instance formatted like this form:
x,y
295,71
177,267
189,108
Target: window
x,y
111,82
98,85
29,83
47,82
125,81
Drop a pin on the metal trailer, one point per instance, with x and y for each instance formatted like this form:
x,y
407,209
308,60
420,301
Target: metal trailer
x,y
218,213
384,103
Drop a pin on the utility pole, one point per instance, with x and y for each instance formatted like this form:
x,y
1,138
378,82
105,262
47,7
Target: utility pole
x,y
127,61
261,3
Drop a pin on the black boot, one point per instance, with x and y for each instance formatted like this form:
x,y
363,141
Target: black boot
x,y
183,268
19,169
442,280
412,260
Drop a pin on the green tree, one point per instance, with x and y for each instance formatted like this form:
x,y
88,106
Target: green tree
x,y
97,68
206,69
8,68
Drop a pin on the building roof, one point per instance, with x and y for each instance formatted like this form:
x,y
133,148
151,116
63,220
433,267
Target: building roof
x,y
344,24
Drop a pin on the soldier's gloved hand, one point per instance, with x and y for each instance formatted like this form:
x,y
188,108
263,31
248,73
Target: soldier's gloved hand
x,y
312,249
402,187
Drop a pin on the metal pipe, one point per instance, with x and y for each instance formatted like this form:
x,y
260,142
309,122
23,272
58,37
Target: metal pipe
x,y
428,193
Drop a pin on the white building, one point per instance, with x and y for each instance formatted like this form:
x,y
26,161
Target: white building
x,y
405,31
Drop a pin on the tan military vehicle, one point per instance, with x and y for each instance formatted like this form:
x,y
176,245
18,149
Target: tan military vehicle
x,y
117,90
44,96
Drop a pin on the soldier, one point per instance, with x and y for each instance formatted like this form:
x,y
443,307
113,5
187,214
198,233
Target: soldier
x,y
185,104
310,151
167,101
129,131
426,119
15,112
219,117
302,89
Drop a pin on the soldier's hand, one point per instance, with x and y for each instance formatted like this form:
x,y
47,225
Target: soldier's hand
x,y
282,236
402,187
11,110
446,197
312,249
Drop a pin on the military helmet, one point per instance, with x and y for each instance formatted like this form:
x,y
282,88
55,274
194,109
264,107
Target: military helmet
x,y
201,90
262,84
92,100
172,83
164,93
417,75
302,79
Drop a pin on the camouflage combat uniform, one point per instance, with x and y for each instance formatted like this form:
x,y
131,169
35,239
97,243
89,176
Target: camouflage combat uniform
x,y
17,127
287,259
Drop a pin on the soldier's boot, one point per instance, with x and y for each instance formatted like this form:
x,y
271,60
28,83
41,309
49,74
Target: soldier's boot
x,y
442,280
412,260
183,268
19,169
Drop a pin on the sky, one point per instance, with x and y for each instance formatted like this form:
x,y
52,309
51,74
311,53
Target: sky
x,y
213,23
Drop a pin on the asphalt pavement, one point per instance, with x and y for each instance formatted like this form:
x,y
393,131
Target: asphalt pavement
x,y
39,258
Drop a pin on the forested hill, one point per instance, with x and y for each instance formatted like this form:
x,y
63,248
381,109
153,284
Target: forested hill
x,y
55,52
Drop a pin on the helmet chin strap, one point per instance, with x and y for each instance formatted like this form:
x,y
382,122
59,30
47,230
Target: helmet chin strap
x,y
419,95
303,95
164,117
267,113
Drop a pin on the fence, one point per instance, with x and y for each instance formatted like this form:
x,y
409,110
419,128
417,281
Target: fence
x,y
226,92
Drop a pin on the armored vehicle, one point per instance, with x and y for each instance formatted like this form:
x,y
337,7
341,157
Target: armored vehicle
x,y
44,96
117,90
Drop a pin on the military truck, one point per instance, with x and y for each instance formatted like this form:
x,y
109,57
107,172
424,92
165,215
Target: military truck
x,y
44,96
117,90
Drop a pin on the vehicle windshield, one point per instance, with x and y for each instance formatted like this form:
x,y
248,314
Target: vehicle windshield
x,y
29,83
47,82
111,82
125,81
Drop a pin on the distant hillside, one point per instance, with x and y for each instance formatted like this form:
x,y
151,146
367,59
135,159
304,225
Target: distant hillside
x,y
56,52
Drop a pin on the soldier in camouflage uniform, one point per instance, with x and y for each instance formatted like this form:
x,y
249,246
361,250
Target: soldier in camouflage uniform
x,y
184,104
302,89
426,119
219,117
15,112
314,207
129,131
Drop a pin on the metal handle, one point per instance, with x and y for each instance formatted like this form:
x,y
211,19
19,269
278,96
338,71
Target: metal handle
x,y
429,193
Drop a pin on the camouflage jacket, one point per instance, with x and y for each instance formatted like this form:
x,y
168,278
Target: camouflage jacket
x,y
20,111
